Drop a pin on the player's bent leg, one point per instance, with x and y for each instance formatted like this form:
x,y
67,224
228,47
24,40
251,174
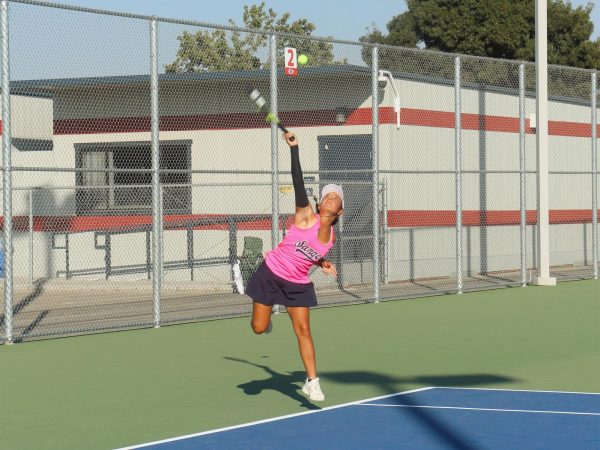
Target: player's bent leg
x,y
261,317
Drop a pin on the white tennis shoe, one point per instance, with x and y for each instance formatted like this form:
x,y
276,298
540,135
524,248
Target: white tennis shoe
x,y
312,388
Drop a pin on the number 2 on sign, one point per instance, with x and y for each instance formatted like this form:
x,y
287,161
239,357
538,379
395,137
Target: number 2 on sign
x,y
290,60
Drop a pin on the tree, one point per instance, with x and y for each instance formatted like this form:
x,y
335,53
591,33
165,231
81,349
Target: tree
x,y
569,32
494,28
223,50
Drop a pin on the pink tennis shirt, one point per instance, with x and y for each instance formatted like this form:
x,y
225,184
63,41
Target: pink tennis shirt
x,y
299,250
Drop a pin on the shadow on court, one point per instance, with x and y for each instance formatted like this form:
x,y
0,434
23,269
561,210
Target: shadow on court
x,y
386,384
34,295
390,385
278,382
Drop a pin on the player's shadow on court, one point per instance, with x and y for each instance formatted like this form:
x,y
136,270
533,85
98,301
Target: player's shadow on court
x,y
387,385
278,382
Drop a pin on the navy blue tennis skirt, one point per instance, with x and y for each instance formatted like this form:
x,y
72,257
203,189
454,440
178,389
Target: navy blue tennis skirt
x,y
269,289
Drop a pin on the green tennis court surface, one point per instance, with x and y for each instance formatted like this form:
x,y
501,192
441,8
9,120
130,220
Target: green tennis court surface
x,y
120,389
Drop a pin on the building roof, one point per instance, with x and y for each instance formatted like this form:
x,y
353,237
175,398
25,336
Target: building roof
x,y
54,84
48,87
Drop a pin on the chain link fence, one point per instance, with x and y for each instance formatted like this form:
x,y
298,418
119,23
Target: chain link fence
x,y
137,172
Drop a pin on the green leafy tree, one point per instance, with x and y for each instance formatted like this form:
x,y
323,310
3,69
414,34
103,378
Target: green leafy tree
x,y
569,42
494,28
488,28
221,50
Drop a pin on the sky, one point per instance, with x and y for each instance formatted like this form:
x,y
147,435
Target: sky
x,y
343,19
56,43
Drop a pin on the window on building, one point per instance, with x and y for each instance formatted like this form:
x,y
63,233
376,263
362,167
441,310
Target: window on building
x,y
117,178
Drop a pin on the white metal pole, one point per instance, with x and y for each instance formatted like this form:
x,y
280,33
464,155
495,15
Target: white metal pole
x,y
30,237
541,105
375,163
156,194
274,142
522,183
384,208
161,236
595,174
458,169
7,177
274,149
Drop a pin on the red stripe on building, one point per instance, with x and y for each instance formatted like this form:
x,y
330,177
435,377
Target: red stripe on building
x,y
102,125
419,117
231,121
396,219
447,218
574,129
79,224
316,118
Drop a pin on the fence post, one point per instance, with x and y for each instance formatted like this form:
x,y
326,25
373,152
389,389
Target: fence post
x,y
385,230
375,164
7,177
595,174
161,234
274,149
274,142
458,176
522,184
156,193
30,237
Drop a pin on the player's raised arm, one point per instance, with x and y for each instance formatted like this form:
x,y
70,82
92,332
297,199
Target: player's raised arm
x,y
304,212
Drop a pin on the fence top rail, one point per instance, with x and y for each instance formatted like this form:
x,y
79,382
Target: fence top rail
x,y
170,185
180,171
279,34
285,172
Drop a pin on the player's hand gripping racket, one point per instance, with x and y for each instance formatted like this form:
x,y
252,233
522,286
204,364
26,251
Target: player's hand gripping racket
x,y
269,116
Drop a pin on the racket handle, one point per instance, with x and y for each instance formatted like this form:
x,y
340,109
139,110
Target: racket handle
x,y
285,130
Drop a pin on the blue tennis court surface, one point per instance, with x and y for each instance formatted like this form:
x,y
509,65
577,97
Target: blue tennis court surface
x,y
428,418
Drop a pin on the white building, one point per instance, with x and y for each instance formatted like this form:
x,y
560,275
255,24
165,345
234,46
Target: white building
x,y
210,128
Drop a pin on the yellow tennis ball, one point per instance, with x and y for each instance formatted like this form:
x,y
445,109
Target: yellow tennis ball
x,y
302,59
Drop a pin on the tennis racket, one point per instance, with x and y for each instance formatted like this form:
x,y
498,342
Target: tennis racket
x,y
269,116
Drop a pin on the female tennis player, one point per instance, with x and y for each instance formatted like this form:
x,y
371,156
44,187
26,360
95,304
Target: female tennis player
x,y
283,279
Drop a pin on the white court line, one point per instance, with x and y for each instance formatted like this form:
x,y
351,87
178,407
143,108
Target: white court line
x,y
258,422
482,409
514,390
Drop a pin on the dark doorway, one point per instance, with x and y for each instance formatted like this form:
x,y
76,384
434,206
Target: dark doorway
x,y
347,161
